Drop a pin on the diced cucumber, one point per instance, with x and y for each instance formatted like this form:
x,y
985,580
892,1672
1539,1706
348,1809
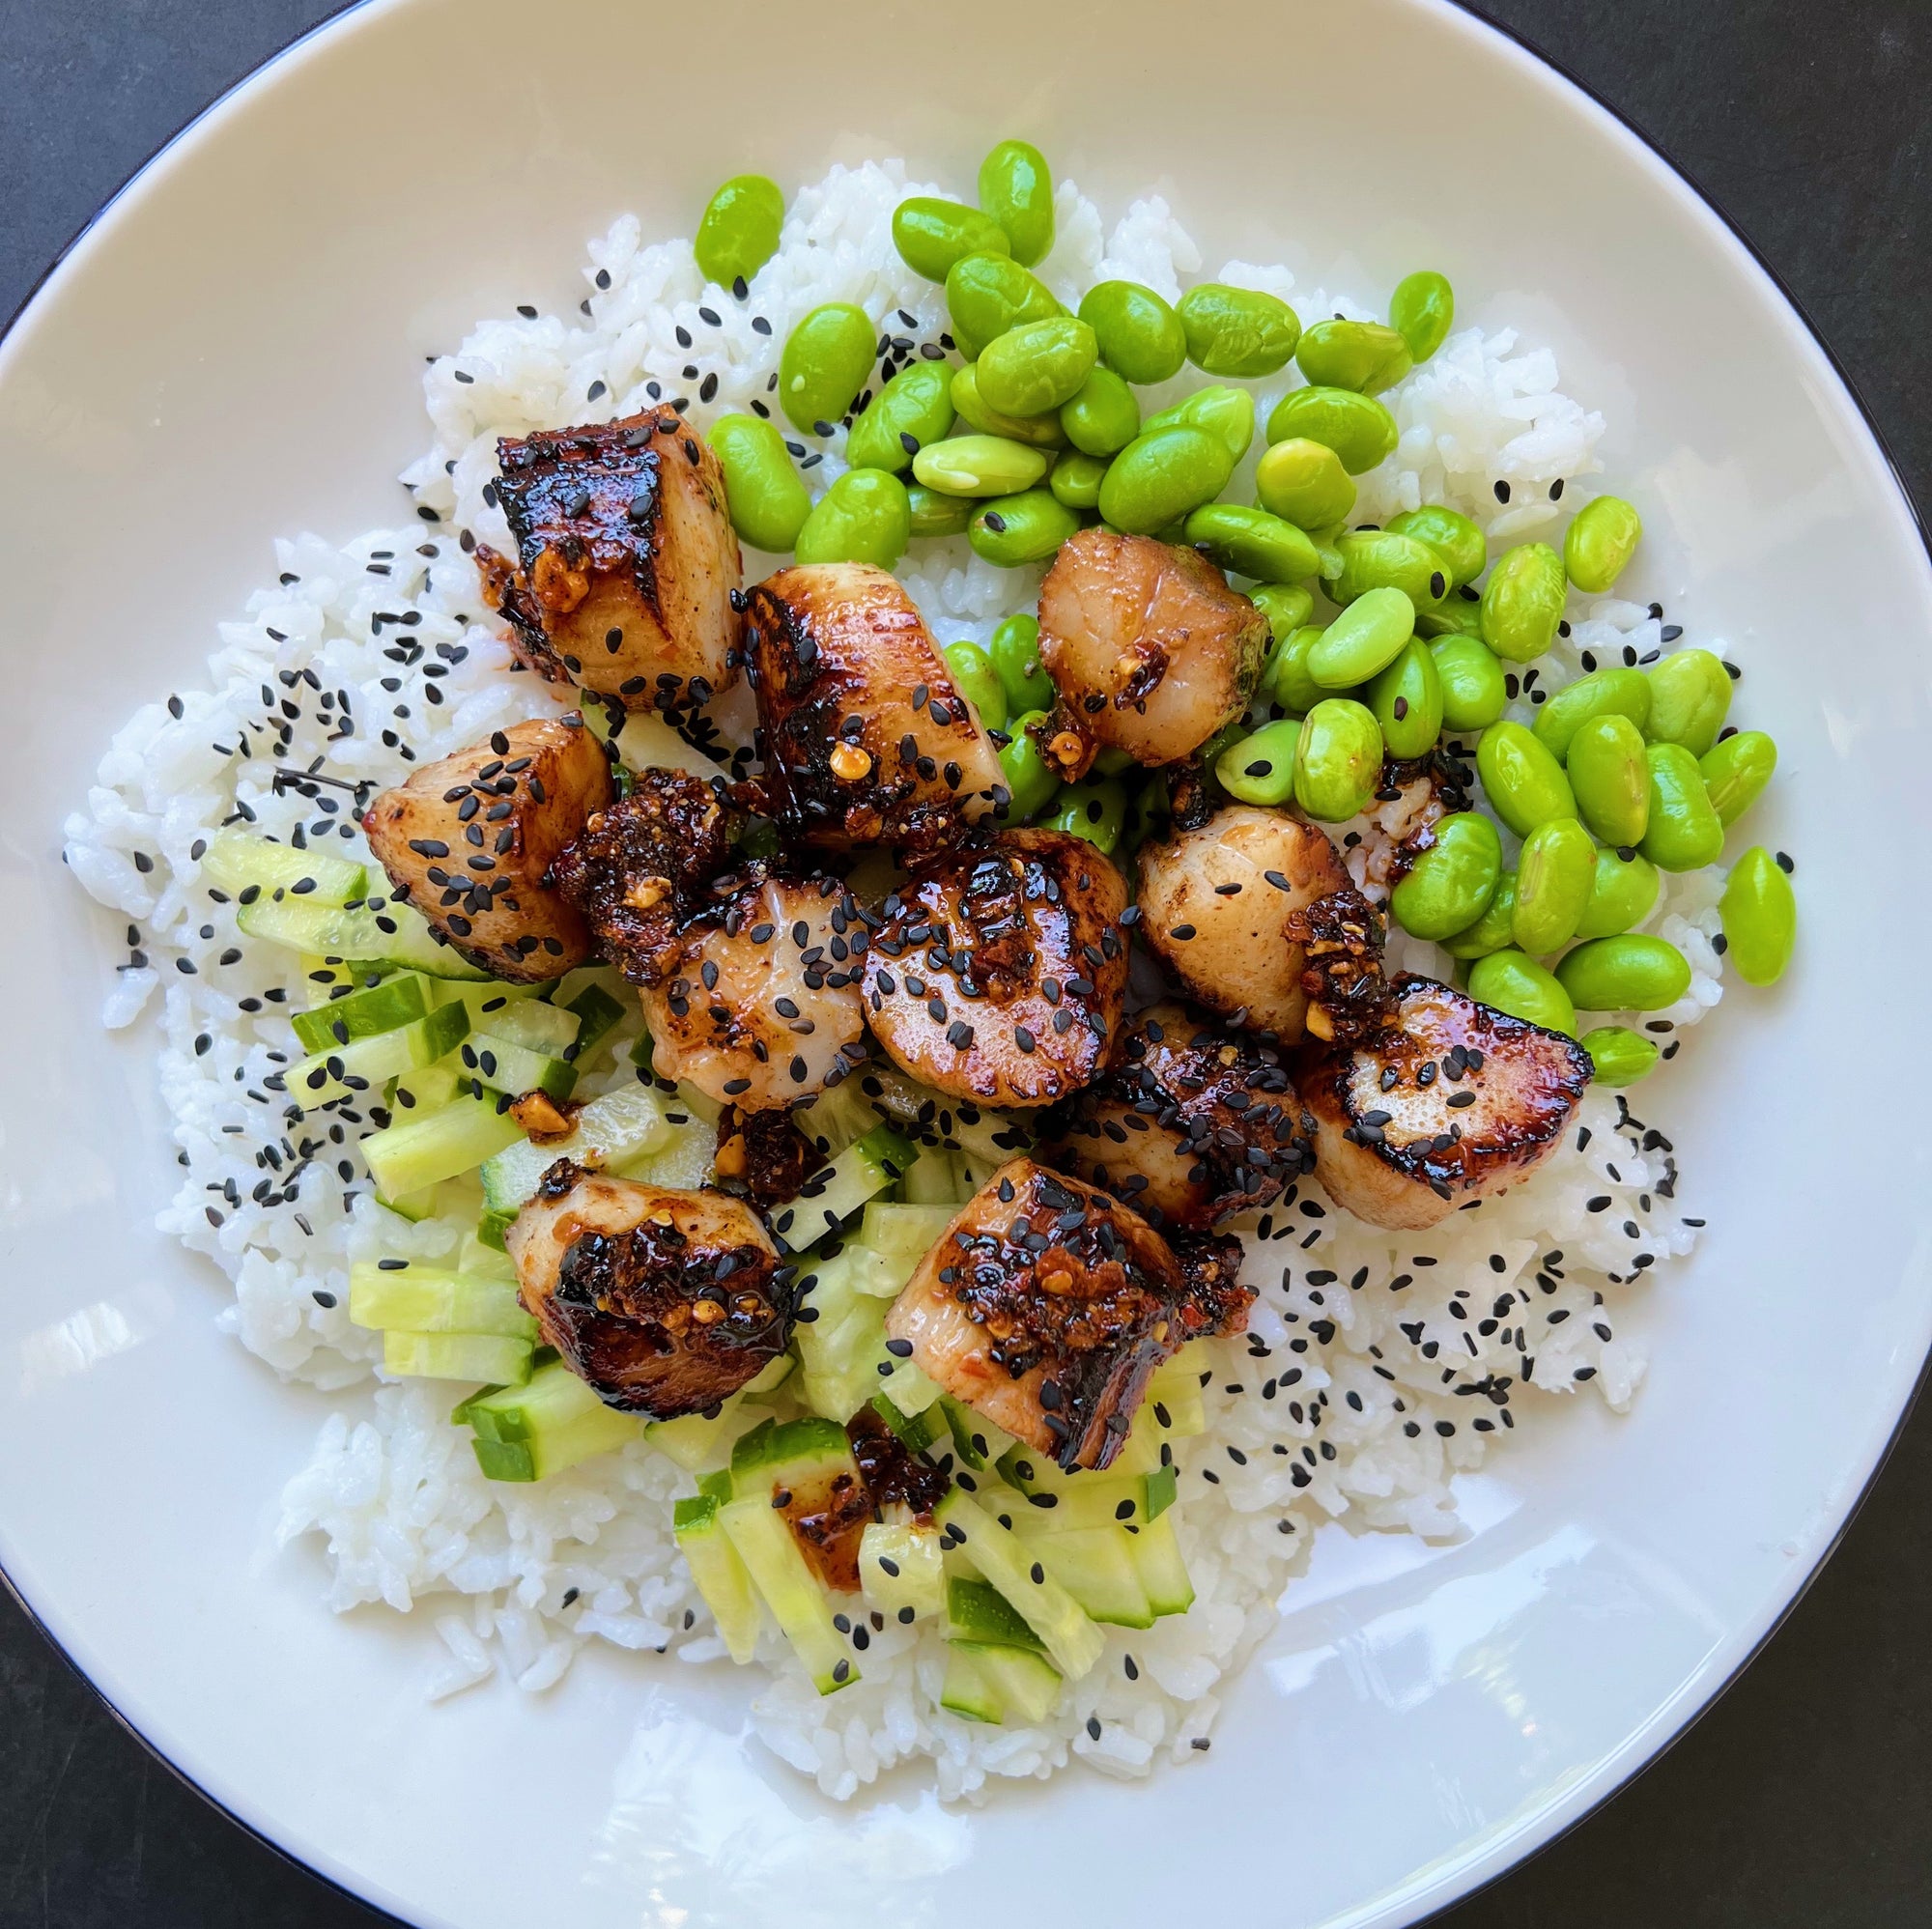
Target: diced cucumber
x,y
799,1606
556,1421
1096,1566
978,1611
529,1022
483,1002
597,1014
901,1567
967,1690
789,1454
337,1071
1173,1394
426,1299
483,1261
694,1442
324,983
491,1229
931,1183
975,1441
235,861
1073,1641
417,1151
395,934
772,1375
482,1356
386,1007
837,1118
1025,1686
1162,1570
1090,1500
903,1235
722,1576
429,1087
683,1160
870,1272
916,1431
507,1066
858,1172
622,1126
841,1348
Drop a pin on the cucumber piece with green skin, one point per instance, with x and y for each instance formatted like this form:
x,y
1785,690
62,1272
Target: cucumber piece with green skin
x,y
978,1611
967,1689
483,1356
483,1002
1024,1684
770,1376
695,1441
621,1126
1172,1396
1032,1472
507,1066
1069,1637
552,1422
386,1007
903,1235
902,1566
483,1261
236,862
418,1151
860,1172
916,1431
1108,1500
491,1229
426,1299
1096,1566
393,935
842,1349
976,1442
1163,1573
840,1115
338,1070
597,1014
428,1089
722,1576
799,1606
789,1452
544,1029
931,1183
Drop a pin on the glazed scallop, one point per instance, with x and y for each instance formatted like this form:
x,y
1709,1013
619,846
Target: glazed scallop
x,y
1452,1102
866,740
663,1301
470,840
1000,970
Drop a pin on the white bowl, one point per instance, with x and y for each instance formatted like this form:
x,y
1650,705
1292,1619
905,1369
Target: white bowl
x,y
232,351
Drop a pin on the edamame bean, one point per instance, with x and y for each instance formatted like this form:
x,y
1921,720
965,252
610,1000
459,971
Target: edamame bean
x,y
988,293
1490,932
1103,417
1356,427
1628,973
1039,432
1029,777
1622,893
1251,543
739,232
1014,648
1604,693
863,517
1160,476
1286,678
1015,529
1453,616
1601,539
1735,770
1511,983
1228,415
978,681
1236,330
1554,876
1684,833
1338,760
1618,1056
1523,782
1382,559
1523,601
1305,483
1286,607
913,410
826,362
1689,697
1260,769
1473,693
1760,914
1365,639
932,235
1407,699
1141,337
767,497
979,465
1422,310
1610,777
1075,479
1363,356
1016,189
1462,547
1095,810
931,512
1451,882
1034,368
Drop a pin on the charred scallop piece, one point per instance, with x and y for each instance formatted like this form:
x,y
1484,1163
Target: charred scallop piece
x,y
866,738
1341,936
1217,904
470,842
1044,1307
758,1002
626,563
1150,649
1453,1101
1000,970
1188,1123
662,1301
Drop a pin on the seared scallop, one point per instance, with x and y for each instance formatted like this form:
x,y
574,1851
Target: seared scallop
x,y
1150,650
626,564
1453,1101
470,840
1216,909
866,739
663,1301
1188,1123
999,972
757,1001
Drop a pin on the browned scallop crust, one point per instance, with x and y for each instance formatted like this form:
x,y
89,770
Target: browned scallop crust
x,y
1000,970
1453,1101
1341,976
1188,1123
470,842
865,738
663,1301
626,560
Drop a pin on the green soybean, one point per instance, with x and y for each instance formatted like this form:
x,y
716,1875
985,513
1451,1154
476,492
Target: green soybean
x,y
1490,932
931,512
1305,483
826,362
1364,639
1611,777
1036,367
1554,876
1628,973
1760,914
1356,427
739,231
1163,475
1140,335
1604,693
1622,893
863,517
1287,608
1029,777
1075,479
1453,616
767,497
978,681
1618,1056
1014,648
1735,770
1684,833
1251,543
1689,697
988,293
1385,560
1338,760
1095,810
1601,539
1523,782
932,235
1509,982
1461,544
979,465
913,410
1451,882
1238,330
1363,356
1015,529
1422,310
1039,432
1228,415
1103,417
1407,699
1286,678
1259,768
1523,601
1016,191
1473,693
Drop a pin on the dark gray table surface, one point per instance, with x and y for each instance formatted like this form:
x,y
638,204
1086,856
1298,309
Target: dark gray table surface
x,y
1805,1797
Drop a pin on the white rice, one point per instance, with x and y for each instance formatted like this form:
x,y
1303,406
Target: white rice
x,y
1377,1366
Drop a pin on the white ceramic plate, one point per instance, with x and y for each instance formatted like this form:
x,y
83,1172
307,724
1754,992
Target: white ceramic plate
x,y
232,351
